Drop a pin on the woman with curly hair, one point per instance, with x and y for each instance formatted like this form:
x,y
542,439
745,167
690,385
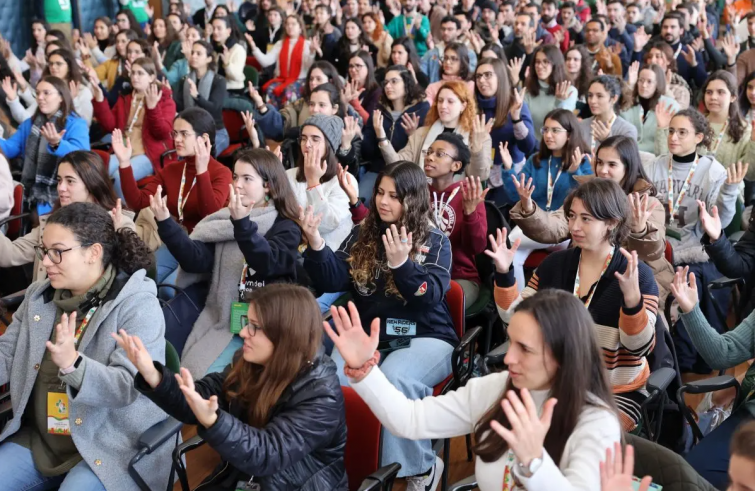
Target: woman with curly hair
x,y
454,110
397,266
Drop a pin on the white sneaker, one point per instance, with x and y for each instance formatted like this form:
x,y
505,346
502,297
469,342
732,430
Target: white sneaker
x,y
428,482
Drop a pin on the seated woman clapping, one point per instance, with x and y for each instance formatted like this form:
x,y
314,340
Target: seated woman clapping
x,y
541,425
276,414
617,289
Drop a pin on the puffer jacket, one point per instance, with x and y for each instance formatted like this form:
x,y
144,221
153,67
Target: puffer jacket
x,y
667,468
300,448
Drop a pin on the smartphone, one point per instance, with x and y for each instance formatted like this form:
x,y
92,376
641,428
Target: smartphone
x,y
636,485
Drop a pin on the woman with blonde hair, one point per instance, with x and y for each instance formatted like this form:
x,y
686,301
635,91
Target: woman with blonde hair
x,y
454,109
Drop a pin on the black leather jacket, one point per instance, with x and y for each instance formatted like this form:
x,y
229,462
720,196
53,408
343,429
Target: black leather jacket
x,y
300,448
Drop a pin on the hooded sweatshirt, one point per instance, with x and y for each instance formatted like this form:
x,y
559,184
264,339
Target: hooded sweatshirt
x,y
467,233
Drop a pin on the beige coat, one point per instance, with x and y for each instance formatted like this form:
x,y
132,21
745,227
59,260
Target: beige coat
x,y
553,228
21,251
479,165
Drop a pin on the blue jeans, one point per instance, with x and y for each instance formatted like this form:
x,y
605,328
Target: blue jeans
x,y
141,166
222,141
326,300
19,473
710,457
414,371
167,270
366,184
226,357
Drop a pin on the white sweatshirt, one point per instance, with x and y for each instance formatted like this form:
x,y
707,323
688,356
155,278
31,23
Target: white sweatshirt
x,y
329,199
457,413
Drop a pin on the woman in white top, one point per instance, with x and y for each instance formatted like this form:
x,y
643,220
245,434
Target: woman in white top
x,y
532,445
62,64
292,57
230,53
100,46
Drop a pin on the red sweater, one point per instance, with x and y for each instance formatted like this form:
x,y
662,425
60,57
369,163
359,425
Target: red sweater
x,y
564,46
157,127
210,192
467,233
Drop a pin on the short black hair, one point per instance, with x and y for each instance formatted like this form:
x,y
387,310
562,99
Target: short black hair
x,y
568,5
324,6
201,122
490,5
633,5
550,2
673,15
600,23
525,14
537,7
509,3
463,154
609,2
451,18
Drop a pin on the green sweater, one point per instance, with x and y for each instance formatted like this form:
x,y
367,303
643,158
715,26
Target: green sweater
x,y
57,11
722,351
544,103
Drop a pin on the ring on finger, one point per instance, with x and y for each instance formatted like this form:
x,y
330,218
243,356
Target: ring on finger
x,y
404,241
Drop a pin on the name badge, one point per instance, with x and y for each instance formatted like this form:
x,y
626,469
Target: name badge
x,y
238,316
57,414
400,327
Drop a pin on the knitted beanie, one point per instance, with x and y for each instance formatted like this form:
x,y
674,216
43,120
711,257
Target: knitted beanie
x,y
331,127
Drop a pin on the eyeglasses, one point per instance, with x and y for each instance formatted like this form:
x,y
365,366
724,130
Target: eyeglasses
x,y
439,153
357,67
483,76
252,328
452,59
314,140
391,81
545,130
542,63
55,255
183,134
681,133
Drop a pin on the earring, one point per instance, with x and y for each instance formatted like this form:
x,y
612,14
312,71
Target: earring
x,y
267,198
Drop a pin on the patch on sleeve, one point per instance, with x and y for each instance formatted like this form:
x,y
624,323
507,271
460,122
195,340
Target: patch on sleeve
x,y
421,290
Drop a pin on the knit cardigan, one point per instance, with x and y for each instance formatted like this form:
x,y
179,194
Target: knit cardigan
x,y
543,103
647,124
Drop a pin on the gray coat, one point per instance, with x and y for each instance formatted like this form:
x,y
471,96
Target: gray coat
x,y
107,413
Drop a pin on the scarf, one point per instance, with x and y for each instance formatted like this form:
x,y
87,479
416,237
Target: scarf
x,y
38,175
66,302
204,86
289,73
211,334
435,130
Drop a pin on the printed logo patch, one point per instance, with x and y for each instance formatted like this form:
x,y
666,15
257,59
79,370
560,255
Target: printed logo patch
x,y
421,290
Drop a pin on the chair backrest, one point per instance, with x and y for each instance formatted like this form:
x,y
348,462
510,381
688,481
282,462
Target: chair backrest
x,y
668,253
362,441
14,226
104,155
172,361
455,301
234,123
495,220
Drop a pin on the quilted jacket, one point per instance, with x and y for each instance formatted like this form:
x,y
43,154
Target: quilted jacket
x,y
667,468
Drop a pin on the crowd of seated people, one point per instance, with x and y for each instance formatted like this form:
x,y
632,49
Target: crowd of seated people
x,y
287,196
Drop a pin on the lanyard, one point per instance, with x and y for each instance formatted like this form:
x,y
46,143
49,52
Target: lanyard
x,y
678,50
508,476
181,200
136,114
242,282
719,138
551,184
593,142
674,207
80,330
592,291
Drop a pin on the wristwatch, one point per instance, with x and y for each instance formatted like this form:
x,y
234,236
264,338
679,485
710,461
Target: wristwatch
x,y
528,470
72,368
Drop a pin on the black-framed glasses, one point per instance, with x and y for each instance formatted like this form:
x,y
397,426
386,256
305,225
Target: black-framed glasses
x,y
439,153
252,328
55,255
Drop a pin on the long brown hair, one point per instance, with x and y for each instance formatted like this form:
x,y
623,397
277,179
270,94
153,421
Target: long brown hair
x,y
737,124
93,174
576,139
291,320
66,105
558,70
582,81
270,169
580,381
368,253
660,89
466,119
503,94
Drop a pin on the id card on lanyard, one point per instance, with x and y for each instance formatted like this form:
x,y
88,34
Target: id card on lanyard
x,y
239,309
673,206
509,481
592,290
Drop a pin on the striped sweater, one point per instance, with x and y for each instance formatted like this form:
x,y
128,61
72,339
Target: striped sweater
x,y
626,335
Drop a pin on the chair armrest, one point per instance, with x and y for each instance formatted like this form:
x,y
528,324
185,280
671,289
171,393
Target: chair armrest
x,y
710,384
13,300
101,146
13,218
724,282
495,356
462,360
383,477
178,464
736,237
159,434
660,379
467,484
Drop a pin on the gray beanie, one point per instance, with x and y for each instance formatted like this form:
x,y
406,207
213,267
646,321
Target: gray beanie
x,y
331,127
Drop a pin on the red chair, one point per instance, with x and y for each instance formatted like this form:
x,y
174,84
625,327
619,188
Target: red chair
x,y
104,155
15,220
535,258
363,447
668,253
237,133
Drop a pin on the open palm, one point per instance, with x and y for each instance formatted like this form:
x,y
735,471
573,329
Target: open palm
x,y
355,346
501,255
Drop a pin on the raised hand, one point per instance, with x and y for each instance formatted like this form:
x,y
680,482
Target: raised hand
x,y
529,42
377,123
410,123
236,207
51,134
250,42
206,411
711,223
689,54
314,168
472,194
117,214
506,160
524,190
562,90
698,44
347,184
159,205
121,149
315,45
10,89
74,88
349,337
277,152
600,130
735,173
203,153
480,130
153,96
618,474
90,40
225,56
515,68
310,225
186,46
397,245
515,109
351,91
501,255
641,211
684,288
633,73
629,281
731,48
528,429
139,357
84,50
350,131
663,114
63,350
